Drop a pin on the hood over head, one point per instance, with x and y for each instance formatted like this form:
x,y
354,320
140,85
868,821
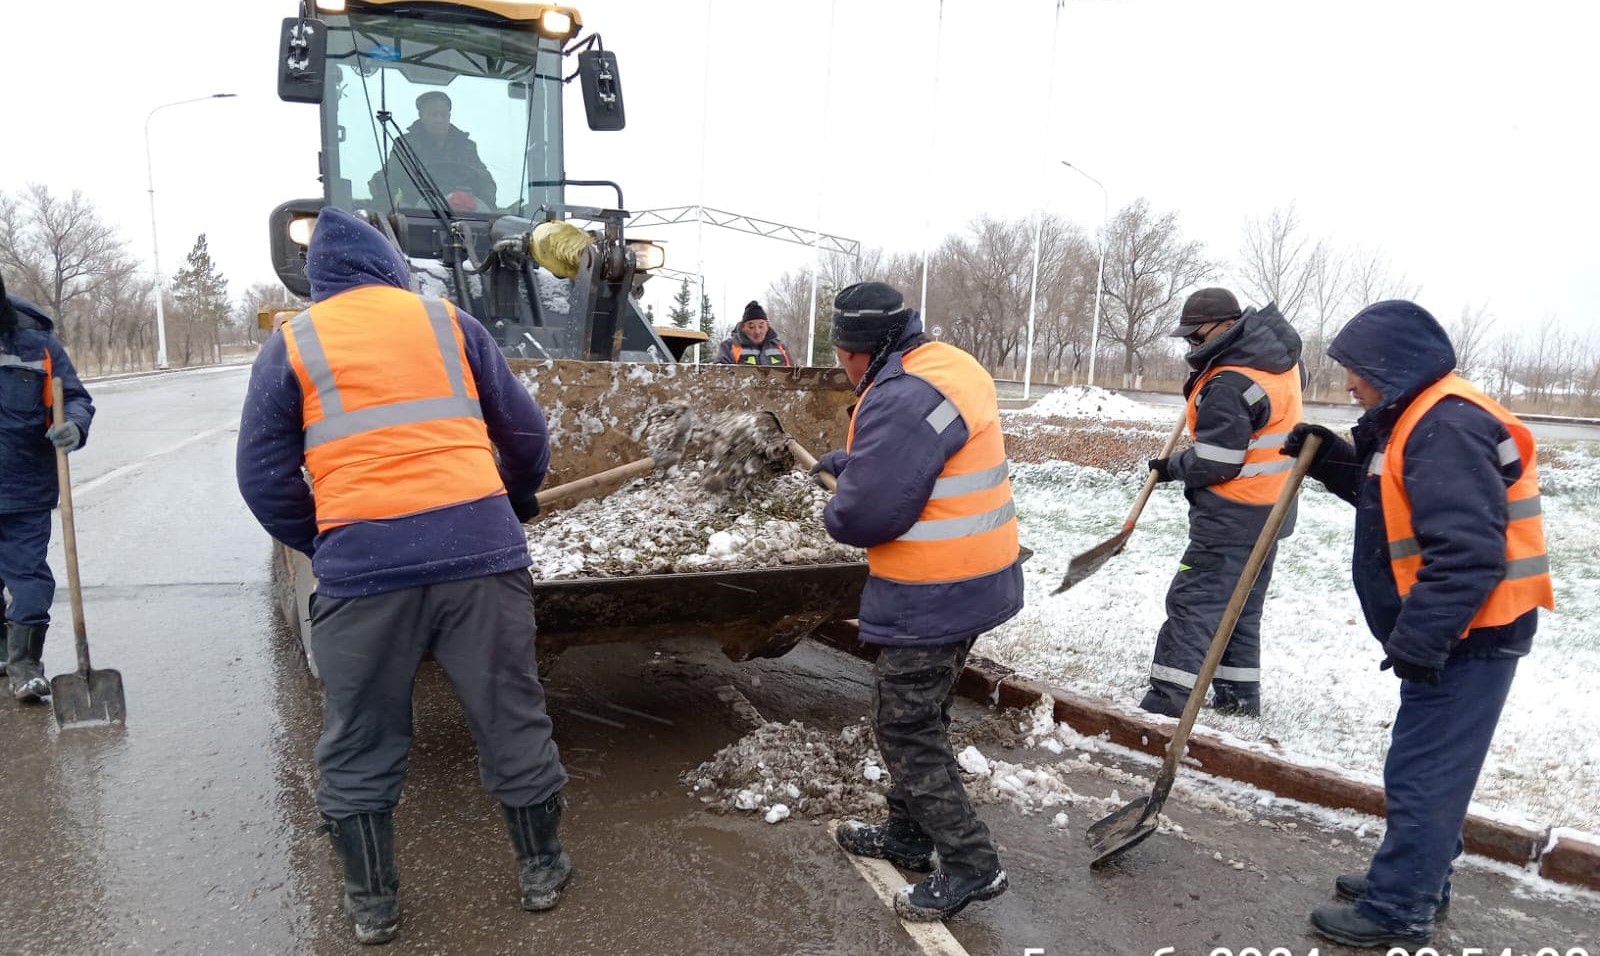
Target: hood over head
x,y
1395,345
1261,338
346,253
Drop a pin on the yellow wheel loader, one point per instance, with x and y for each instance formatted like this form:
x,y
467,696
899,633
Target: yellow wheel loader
x,y
442,124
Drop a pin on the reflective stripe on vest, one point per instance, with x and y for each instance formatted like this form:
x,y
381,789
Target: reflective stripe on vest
x,y
1526,584
1263,470
761,355
391,415
968,527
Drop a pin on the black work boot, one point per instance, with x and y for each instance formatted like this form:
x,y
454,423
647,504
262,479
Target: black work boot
x,y
1239,699
1342,923
944,894
24,647
365,842
900,841
1353,886
1165,698
543,866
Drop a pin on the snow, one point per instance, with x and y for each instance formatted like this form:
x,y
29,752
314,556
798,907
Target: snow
x,y
973,761
1086,401
1325,701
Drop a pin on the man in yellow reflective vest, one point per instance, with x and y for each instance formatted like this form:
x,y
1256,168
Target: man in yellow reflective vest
x,y
1243,397
1450,567
924,487
425,453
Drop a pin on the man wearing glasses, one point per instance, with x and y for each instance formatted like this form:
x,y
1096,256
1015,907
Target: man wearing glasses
x,y
1243,399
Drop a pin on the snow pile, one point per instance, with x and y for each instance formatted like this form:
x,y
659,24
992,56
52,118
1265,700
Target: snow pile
x,y
1086,401
806,771
669,523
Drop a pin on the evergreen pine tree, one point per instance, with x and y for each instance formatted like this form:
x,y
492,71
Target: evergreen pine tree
x,y
681,315
200,300
708,319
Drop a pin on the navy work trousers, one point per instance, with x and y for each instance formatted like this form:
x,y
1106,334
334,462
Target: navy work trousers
x,y
25,568
1196,600
367,649
1440,739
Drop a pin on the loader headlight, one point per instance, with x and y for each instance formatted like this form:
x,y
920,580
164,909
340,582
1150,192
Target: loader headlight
x,y
647,256
557,24
300,230
331,6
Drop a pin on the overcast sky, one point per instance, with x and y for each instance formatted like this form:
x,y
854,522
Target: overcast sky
x,y
1458,138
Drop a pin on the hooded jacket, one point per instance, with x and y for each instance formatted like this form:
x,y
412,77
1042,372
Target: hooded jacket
x,y
453,164
1456,484
884,483
27,459
462,541
770,347
1261,339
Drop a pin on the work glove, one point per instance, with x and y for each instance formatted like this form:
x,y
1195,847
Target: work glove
x,y
1405,670
66,436
832,462
1297,440
1162,467
527,509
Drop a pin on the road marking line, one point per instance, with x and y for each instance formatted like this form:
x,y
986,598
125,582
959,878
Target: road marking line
x,y
131,467
932,938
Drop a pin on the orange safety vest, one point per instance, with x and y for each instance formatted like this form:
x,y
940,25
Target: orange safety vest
x,y
738,350
390,412
1263,469
1527,582
968,528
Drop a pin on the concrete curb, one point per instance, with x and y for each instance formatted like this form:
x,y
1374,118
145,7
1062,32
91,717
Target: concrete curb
x,y
152,372
1565,856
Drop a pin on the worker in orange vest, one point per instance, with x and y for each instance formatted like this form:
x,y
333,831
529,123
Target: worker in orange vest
x,y
425,453
754,342
924,487
1243,397
1451,569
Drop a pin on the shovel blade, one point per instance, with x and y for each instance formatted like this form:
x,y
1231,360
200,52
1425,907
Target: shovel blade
x,y
1090,561
88,700
1122,831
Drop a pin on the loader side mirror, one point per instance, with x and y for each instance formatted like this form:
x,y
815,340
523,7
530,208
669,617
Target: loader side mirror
x,y
602,89
302,51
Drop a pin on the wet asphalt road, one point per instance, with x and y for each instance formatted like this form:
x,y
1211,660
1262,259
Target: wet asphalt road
x,y
192,829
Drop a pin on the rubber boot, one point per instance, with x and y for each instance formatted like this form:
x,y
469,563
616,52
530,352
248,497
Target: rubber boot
x,y
24,647
365,843
543,867
944,894
900,841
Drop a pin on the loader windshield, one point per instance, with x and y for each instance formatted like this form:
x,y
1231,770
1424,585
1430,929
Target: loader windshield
x,y
422,111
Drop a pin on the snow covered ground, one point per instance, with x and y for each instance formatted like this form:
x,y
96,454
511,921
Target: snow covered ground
x,y
1326,702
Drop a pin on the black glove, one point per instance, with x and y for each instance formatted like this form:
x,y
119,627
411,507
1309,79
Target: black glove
x,y
527,509
1405,670
832,462
1297,439
1161,466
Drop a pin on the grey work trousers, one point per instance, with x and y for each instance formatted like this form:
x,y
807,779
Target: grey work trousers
x,y
915,688
1196,600
367,649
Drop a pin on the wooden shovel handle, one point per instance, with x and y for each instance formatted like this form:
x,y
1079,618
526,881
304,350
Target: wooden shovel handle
x,y
594,484
808,461
69,531
1152,479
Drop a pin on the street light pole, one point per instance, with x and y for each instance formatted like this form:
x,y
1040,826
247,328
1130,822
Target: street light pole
x,y
1100,277
155,250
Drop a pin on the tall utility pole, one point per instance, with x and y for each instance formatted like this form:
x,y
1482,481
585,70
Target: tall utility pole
x,y
1100,277
155,246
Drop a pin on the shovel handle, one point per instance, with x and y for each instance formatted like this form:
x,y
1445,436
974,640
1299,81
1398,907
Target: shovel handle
x,y
587,487
808,461
1241,591
1152,479
69,532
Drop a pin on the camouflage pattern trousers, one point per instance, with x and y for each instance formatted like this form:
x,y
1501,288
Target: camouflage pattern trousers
x,y
912,696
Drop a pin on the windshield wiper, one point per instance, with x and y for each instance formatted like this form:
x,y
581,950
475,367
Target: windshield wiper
x,y
414,167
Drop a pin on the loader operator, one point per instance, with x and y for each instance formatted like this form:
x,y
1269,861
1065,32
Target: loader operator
x,y
30,354
1243,398
397,405
1450,567
448,154
924,488
753,342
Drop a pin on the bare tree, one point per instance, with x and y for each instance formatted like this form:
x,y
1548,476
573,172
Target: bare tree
x,y
1278,261
1149,266
1372,279
1325,307
60,250
1467,334
244,324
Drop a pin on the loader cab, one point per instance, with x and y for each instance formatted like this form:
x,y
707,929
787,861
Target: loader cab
x,y
444,120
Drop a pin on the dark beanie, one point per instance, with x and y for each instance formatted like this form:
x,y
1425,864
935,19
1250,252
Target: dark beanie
x,y
753,311
865,314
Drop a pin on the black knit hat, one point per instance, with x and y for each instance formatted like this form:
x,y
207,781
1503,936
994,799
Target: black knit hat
x,y
1205,307
753,311
865,314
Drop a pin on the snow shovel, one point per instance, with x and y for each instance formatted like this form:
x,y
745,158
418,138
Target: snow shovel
x,y
666,434
1131,825
87,697
1090,561
802,457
